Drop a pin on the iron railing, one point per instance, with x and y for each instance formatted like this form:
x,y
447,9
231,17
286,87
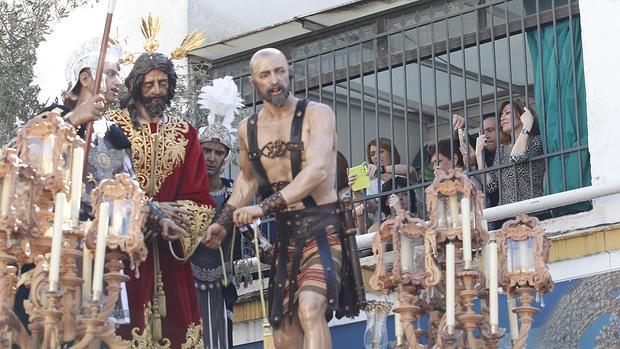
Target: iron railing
x,y
403,73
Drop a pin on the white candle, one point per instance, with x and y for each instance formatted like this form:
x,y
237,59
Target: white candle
x,y
102,234
47,155
466,224
493,294
450,288
398,326
512,318
117,218
87,274
67,213
54,272
77,169
454,210
441,213
406,256
484,260
523,256
7,187
484,224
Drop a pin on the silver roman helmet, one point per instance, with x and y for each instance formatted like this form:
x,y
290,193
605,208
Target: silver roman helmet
x,y
223,101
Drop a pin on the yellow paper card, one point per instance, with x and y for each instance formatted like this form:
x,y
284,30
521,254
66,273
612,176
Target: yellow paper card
x,y
362,181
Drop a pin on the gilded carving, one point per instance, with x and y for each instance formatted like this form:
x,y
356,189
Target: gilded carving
x,y
193,338
196,223
155,155
146,340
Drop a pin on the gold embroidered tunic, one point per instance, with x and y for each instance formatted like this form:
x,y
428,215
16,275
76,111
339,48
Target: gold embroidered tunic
x,y
169,167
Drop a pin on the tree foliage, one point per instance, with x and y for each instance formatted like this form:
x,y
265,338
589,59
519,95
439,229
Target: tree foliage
x,y
184,104
23,26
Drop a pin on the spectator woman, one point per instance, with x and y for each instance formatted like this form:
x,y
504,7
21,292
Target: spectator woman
x,y
381,160
447,156
524,180
383,165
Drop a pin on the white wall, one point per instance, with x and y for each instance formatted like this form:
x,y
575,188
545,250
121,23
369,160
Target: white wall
x,y
598,25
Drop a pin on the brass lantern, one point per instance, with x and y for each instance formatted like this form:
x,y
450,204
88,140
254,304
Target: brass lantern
x,y
523,256
16,190
124,201
46,143
17,218
448,209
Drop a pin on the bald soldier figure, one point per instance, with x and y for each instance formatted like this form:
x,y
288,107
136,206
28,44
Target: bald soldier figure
x,y
288,156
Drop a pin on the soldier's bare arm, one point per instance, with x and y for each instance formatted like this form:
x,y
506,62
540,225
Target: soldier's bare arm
x,y
243,190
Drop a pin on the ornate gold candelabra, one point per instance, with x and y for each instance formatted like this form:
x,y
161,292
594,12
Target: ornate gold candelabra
x,y
126,199
436,269
413,270
70,282
15,217
96,323
36,178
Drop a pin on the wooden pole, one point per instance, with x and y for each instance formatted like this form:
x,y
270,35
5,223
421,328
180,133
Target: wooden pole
x,y
98,76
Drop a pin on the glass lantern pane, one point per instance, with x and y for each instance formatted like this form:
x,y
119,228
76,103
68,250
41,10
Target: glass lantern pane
x,y
65,161
454,214
23,205
387,267
527,250
35,154
418,255
521,255
441,212
120,217
41,154
5,195
511,249
412,254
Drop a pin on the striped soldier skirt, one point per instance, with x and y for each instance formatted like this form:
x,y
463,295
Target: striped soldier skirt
x,y
308,257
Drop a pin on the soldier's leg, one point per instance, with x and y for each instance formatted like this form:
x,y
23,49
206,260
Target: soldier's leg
x,y
289,335
311,311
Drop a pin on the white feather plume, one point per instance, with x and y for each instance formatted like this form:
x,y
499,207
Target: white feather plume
x,y
223,101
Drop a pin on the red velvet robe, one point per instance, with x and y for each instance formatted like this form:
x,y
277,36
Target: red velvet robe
x,y
179,175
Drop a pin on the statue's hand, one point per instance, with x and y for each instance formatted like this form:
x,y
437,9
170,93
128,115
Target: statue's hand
x,y
170,230
215,234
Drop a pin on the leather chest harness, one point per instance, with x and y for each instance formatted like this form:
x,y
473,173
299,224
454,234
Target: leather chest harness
x,y
275,149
